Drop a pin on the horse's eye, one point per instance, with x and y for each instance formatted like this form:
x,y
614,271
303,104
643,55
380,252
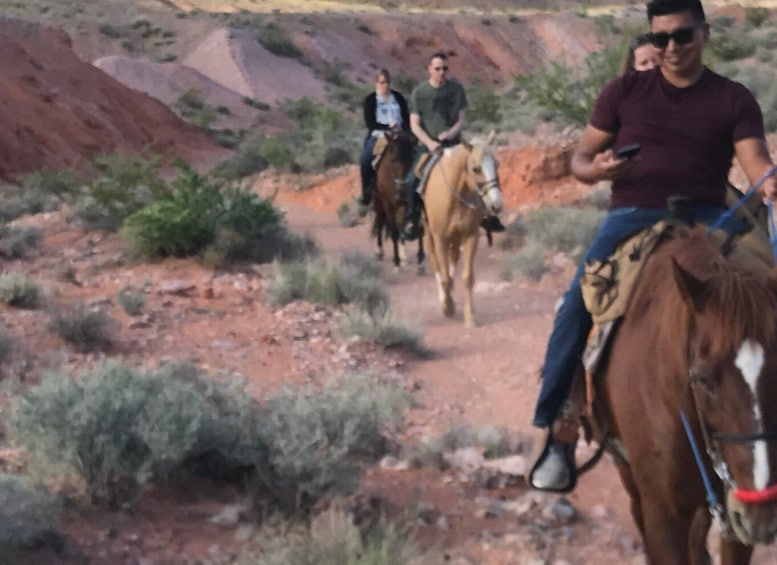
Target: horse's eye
x,y
477,170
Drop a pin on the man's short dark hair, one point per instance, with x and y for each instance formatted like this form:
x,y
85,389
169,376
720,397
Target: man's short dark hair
x,y
438,55
667,7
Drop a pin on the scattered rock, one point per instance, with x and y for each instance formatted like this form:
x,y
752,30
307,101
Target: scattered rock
x,y
178,287
229,516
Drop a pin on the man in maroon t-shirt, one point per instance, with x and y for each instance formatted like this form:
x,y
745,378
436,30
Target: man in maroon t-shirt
x,y
689,123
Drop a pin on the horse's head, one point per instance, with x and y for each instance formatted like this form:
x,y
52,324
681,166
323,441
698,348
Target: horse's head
x,y
401,147
732,366
482,176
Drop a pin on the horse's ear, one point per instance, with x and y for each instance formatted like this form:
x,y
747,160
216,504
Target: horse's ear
x,y
692,289
491,136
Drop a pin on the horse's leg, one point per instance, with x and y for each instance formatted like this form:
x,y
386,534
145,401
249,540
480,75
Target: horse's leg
x,y
377,228
439,250
734,553
398,251
421,264
631,487
666,533
468,249
697,538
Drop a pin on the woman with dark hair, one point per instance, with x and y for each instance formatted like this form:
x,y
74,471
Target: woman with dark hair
x,y
385,109
642,55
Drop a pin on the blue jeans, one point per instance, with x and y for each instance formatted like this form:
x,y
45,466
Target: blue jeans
x,y
365,163
573,322
411,183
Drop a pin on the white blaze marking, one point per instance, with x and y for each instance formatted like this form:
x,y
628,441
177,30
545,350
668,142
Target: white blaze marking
x,y
440,292
750,361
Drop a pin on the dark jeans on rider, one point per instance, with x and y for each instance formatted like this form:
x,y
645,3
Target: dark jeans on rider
x,y
573,322
367,171
411,183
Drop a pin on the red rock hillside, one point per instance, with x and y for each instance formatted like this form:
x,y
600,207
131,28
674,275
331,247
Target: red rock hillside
x,y
58,111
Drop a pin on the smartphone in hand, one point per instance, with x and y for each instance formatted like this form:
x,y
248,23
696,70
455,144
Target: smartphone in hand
x,y
627,151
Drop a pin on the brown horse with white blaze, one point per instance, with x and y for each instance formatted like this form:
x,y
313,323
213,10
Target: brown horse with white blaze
x,y
389,204
462,186
699,338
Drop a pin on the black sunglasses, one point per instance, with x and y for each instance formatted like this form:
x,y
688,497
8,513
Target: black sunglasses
x,y
439,68
680,36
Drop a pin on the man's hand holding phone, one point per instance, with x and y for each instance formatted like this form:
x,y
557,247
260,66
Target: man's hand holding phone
x,y
627,151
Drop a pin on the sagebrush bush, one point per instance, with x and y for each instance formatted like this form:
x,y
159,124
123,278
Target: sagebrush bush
x,y
348,214
528,262
332,538
29,517
315,441
132,302
6,345
120,429
39,192
356,280
122,185
382,329
202,212
20,291
17,241
86,328
117,428
566,229
495,442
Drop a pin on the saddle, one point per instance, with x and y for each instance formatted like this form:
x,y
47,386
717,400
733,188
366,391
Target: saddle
x,y
378,150
607,287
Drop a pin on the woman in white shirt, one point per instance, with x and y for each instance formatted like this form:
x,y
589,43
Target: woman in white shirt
x,y
385,109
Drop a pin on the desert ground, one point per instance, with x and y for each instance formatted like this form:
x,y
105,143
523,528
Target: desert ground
x,y
99,86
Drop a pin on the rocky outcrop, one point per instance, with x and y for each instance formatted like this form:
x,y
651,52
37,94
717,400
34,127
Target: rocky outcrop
x,y
58,111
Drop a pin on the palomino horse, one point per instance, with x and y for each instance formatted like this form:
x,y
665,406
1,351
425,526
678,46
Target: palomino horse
x,y
389,203
699,338
462,185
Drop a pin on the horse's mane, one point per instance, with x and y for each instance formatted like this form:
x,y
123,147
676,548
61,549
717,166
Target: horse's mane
x,y
740,298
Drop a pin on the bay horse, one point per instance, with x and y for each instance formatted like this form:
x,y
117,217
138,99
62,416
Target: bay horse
x,y
462,185
389,203
697,347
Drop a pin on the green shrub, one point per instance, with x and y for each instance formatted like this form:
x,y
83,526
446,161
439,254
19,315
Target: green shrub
x,y
732,44
484,105
356,280
110,31
84,327
29,517
571,91
131,302
528,262
756,15
275,40
16,241
122,185
247,160
39,192
764,88
202,215
19,291
6,345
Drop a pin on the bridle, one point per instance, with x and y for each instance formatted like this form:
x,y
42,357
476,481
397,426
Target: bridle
x,y
481,188
712,440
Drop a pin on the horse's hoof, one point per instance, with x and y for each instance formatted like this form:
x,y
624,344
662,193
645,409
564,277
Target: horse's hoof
x,y
470,323
449,309
379,255
420,270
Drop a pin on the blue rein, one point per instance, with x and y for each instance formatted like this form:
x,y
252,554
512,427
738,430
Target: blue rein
x,y
712,500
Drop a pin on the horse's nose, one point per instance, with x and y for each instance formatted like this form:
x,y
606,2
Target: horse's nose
x,y
496,200
750,530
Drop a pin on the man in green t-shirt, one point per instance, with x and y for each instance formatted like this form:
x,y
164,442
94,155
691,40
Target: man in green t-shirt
x,y
437,108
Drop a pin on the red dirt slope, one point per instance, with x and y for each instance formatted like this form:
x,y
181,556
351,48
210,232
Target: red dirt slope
x,y
58,111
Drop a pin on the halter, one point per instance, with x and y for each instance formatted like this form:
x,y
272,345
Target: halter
x,y
481,188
